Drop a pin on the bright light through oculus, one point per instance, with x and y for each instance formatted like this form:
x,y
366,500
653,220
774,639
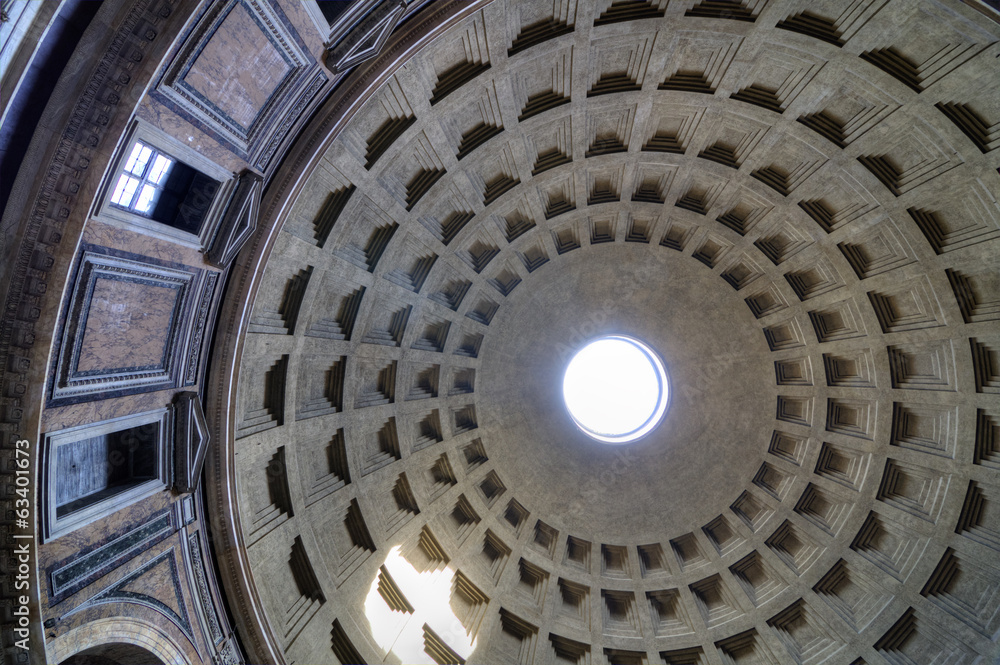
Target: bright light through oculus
x,y
616,389
405,630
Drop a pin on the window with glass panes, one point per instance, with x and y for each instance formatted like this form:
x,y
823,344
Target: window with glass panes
x,y
141,183
155,185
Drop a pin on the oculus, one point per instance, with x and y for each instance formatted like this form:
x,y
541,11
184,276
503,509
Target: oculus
x,y
616,389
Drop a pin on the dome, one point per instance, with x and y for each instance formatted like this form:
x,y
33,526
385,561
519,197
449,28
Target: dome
x,y
411,223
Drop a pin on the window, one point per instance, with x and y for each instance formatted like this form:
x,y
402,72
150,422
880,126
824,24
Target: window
x,y
94,470
332,9
163,188
157,186
326,14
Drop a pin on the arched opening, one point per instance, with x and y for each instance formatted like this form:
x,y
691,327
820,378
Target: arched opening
x,y
113,654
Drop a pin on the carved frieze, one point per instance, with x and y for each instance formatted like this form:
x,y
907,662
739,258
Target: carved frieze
x,y
199,325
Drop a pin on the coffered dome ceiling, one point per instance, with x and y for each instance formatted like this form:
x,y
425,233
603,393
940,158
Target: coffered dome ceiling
x,y
794,205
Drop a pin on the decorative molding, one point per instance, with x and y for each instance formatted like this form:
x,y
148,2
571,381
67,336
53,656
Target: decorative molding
x,y
224,650
191,439
193,544
74,574
364,39
238,222
256,138
192,363
78,376
296,114
117,593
